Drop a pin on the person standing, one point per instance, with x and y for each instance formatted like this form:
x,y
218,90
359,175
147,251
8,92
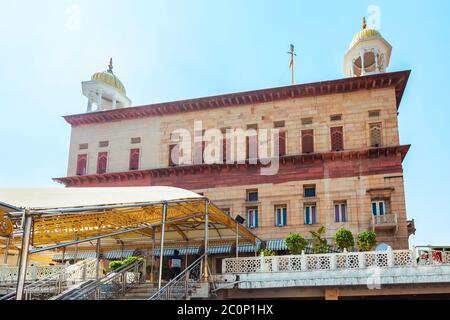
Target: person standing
x,y
175,264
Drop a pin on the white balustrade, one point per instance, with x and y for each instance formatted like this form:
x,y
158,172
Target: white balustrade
x,y
77,272
321,262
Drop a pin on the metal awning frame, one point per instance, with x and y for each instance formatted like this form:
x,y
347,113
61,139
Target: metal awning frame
x,y
27,215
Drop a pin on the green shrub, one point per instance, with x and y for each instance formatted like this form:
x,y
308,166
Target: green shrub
x,y
366,240
344,239
267,252
116,264
320,244
295,243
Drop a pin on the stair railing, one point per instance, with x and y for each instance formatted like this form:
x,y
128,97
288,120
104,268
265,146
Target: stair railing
x,y
180,282
110,286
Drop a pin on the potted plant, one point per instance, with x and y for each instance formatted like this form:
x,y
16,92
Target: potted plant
x,y
366,240
344,239
295,243
320,244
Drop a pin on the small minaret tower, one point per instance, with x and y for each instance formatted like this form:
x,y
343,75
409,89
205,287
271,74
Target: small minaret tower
x,y
105,91
369,53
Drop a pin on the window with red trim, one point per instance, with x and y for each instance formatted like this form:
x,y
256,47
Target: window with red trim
x,y
337,139
174,155
102,161
134,159
81,164
282,144
199,147
226,149
252,147
307,141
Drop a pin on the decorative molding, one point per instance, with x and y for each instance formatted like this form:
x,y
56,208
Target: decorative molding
x,y
397,80
305,167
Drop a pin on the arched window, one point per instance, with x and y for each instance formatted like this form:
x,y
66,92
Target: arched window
x,y
134,159
307,141
102,160
81,164
337,139
375,134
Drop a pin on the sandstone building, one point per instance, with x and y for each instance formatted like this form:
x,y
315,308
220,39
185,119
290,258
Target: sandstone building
x,y
340,158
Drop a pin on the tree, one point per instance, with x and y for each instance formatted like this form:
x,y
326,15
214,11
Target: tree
x,y
366,240
320,244
295,243
344,239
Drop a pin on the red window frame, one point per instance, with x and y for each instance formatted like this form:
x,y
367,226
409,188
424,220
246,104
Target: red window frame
x,y
307,141
82,164
102,162
174,148
134,159
337,138
282,144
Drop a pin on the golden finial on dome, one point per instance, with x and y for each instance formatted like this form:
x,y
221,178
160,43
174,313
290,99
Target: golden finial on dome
x,y
110,66
364,24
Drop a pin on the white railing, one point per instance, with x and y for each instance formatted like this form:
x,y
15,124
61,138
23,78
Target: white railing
x,y
51,280
8,274
331,261
384,219
85,268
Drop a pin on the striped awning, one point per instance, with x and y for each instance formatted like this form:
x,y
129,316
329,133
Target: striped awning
x,y
276,245
118,254
219,249
183,251
72,255
246,248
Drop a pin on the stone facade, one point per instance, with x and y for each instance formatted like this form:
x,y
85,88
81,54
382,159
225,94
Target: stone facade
x,y
356,176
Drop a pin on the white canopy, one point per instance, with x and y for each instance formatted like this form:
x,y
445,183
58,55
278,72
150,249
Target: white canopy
x,y
57,198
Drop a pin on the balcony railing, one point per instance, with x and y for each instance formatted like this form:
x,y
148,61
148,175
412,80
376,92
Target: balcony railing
x,y
387,221
332,261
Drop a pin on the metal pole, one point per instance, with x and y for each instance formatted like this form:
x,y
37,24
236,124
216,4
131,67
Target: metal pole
x,y
237,240
161,247
97,263
153,256
5,259
205,265
63,255
76,253
22,274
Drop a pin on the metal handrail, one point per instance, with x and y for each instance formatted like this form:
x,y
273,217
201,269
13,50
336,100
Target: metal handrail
x,y
94,287
56,278
176,280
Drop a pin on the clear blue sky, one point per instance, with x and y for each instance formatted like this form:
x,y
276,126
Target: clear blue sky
x,y
168,50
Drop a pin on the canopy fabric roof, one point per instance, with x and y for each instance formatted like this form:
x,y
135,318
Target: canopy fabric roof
x,y
69,214
56,198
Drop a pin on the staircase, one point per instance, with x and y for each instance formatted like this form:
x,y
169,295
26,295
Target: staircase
x,y
143,291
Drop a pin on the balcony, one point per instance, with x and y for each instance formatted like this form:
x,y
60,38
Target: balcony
x,y
385,222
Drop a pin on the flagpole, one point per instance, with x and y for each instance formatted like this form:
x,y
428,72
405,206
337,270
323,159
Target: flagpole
x,y
291,64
